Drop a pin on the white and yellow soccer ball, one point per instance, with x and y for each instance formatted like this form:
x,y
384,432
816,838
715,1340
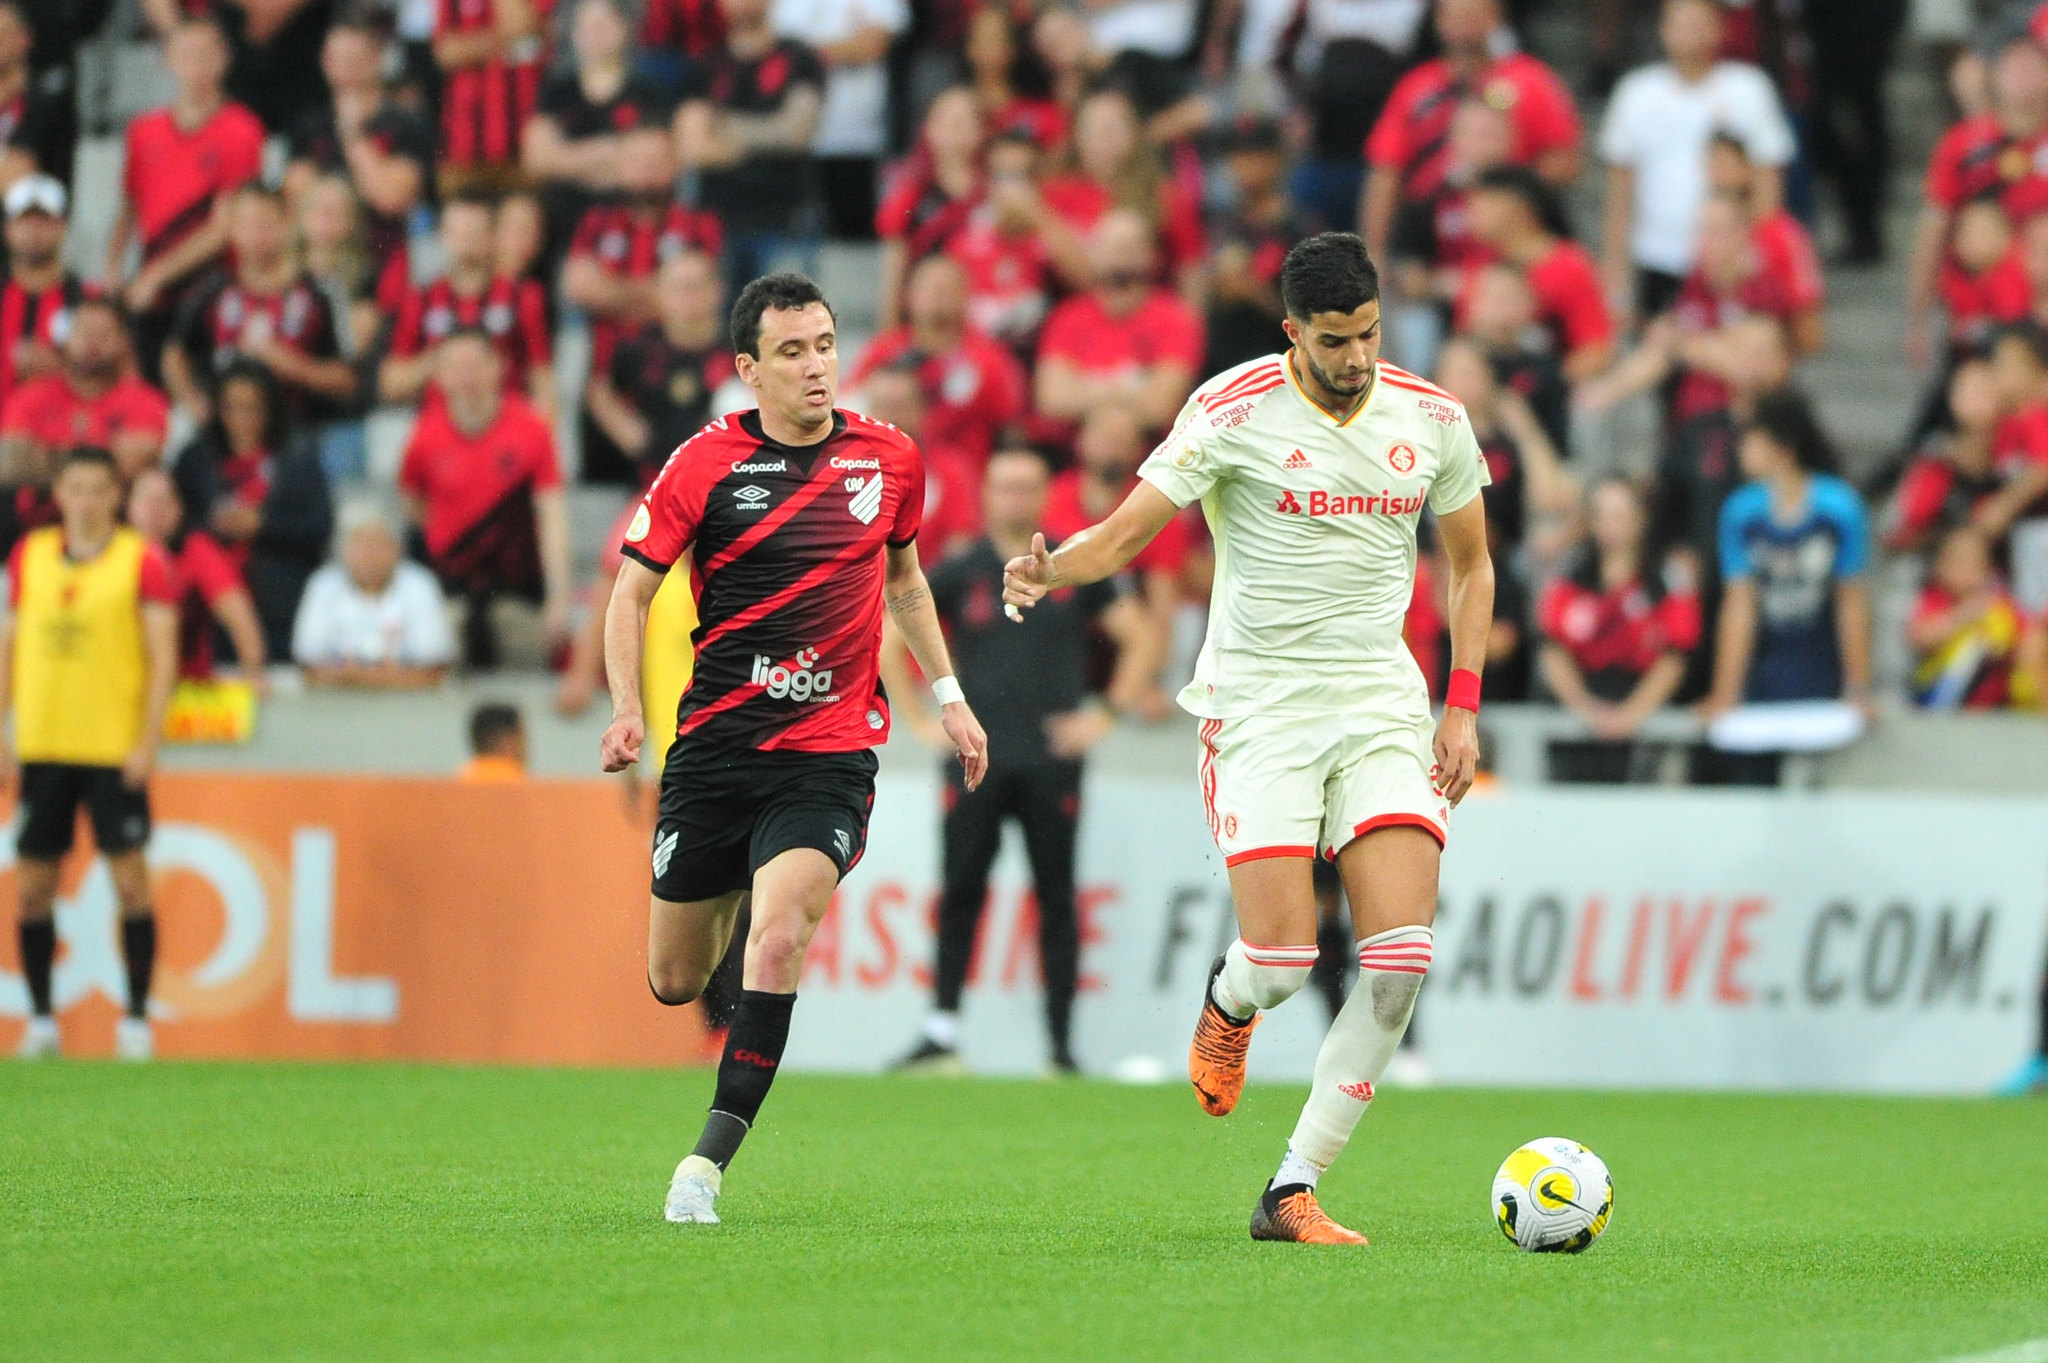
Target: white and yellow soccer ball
x,y
1553,1196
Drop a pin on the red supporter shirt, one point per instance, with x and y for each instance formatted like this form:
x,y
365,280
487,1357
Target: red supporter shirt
x,y
1785,252
1161,330
512,312
1066,517
205,573
2019,443
973,393
172,177
1570,300
50,412
786,546
1451,221
1977,156
1616,636
41,317
484,107
952,503
478,491
921,215
1082,202
1700,307
1977,305
628,244
1008,277
1413,131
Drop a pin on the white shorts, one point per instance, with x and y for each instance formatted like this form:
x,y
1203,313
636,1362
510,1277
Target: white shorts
x,y
1289,787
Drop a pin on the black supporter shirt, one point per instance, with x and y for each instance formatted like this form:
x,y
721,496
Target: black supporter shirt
x,y
787,548
770,190
315,139
640,103
1015,675
669,386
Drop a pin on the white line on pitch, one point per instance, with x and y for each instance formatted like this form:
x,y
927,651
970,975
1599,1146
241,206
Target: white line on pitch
x,y
2027,1351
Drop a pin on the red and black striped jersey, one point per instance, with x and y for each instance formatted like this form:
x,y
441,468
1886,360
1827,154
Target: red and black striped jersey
x,y
787,544
40,316
512,312
633,245
485,107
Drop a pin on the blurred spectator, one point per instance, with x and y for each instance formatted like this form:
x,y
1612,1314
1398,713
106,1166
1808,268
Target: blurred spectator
x,y
676,33
210,586
1407,149
613,259
1497,311
1030,682
1125,342
471,294
497,745
851,38
1957,470
1616,636
1783,247
329,241
1430,245
1654,141
1989,153
483,487
2030,683
94,399
257,488
952,484
658,390
1113,167
1007,86
383,150
261,305
521,237
938,188
180,164
1004,249
746,125
1964,628
574,145
1795,609
1516,217
976,392
1247,244
35,303
373,619
38,124
490,53
1984,282
1852,43
2019,449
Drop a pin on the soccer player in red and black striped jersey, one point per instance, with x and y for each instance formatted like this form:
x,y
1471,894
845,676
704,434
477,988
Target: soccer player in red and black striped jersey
x,y
801,524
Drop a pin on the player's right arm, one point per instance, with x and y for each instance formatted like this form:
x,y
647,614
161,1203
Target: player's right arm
x,y
1102,550
625,634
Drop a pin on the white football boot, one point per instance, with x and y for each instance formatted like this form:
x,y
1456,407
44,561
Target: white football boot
x,y
133,1040
693,1194
39,1040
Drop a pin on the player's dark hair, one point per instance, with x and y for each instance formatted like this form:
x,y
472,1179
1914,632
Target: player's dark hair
x,y
1534,192
784,291
1329,272
2028,334
90,456
491,723
1787,418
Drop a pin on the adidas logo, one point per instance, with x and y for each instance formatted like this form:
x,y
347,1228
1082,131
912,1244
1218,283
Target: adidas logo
x,y
1362,1091
1297,460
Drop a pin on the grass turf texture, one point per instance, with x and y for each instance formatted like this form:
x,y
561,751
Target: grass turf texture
x,y
387,1212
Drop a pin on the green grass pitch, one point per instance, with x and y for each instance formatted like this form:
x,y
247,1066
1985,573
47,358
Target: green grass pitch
x,y
395,1212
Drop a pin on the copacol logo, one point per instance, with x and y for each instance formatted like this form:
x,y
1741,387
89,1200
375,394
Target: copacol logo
x,y
796,682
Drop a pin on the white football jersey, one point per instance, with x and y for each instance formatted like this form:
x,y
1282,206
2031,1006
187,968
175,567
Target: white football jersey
x,y
1314,522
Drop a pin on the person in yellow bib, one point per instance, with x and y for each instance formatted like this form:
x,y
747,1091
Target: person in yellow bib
x,y
88,655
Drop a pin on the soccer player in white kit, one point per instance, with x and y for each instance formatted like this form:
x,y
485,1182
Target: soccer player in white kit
x,y
1313,468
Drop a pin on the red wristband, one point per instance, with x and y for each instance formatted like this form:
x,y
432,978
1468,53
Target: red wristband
x,y
1463,692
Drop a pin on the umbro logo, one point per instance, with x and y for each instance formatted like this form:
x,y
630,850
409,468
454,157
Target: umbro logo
x,y
843,840
1297,460
665,850
752,497
866,504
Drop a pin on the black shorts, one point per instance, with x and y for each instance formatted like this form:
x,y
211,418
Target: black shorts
x,y
727,812
51,793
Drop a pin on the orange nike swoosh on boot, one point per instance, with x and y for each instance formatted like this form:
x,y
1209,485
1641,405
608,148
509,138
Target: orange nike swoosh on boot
x,y
1301,1220
1216,1060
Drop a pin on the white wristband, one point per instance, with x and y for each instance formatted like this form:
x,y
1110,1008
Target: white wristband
x,y
946,690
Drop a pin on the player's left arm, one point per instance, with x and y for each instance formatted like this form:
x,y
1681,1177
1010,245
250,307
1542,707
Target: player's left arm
x,y
916,616
1471,612
160,644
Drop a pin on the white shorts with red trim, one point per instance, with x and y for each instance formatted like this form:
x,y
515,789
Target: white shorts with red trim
x,y
1282,786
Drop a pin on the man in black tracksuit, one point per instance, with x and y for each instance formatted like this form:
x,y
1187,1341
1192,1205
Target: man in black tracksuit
x,y
1030,689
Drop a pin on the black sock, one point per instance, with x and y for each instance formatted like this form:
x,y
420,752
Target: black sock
x,y
753,1051
138,948
38,950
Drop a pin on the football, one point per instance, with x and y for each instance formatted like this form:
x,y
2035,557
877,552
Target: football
x,y
1553,1196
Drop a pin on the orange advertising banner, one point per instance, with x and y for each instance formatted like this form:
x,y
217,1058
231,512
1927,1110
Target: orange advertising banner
x,y
342,917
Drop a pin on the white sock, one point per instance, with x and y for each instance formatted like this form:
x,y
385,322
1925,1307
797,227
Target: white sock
x,y
1255,978
1368,1029
942,1028
1295,1169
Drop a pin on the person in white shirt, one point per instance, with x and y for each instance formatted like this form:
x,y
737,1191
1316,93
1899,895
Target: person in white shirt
x,y
373,619
1313,468
1655,138
852,37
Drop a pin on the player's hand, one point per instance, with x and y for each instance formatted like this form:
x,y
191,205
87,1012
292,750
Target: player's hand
x,y
968,740
1457,754
1028,578
620,746
136,771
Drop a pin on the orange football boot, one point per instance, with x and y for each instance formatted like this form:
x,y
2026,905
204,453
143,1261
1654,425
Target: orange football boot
x,y
1216,1056
1296,1217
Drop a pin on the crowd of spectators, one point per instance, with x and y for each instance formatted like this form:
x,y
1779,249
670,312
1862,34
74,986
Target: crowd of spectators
x,y
1075,214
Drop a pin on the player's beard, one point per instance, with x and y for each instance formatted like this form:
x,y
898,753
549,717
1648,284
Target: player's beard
x,y
1331,385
